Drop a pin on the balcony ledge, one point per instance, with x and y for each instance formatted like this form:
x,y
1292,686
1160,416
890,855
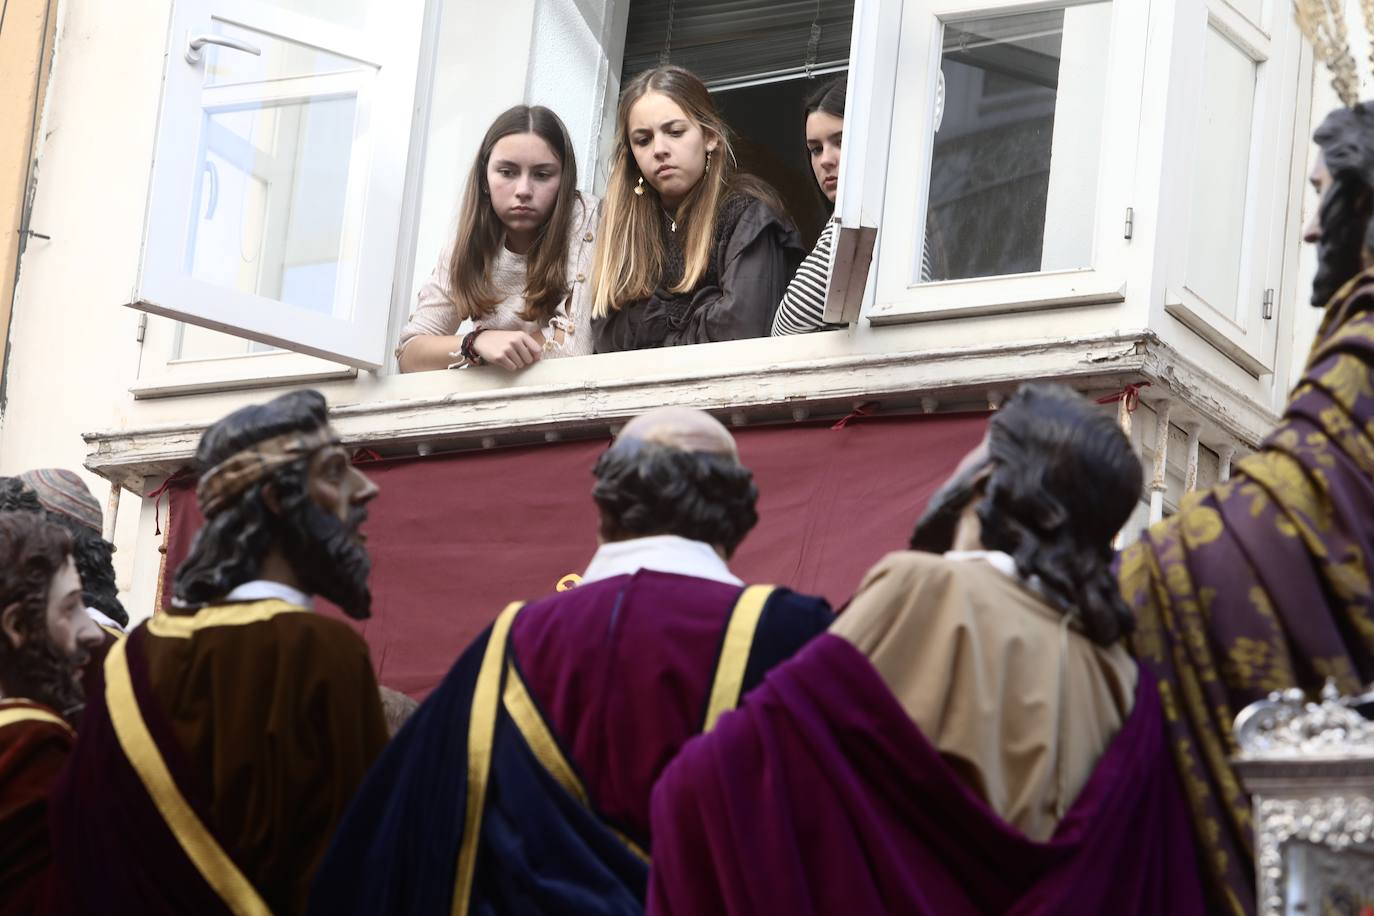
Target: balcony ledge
x,y
744,391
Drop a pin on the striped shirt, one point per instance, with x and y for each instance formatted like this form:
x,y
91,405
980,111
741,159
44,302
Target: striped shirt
x,y
802,309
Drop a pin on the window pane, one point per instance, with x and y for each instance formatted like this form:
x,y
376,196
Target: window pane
x,y
273,208
1221,171
279,60
343,12
1017,143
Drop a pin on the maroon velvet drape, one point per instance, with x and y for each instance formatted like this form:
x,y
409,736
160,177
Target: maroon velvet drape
x,y
455,537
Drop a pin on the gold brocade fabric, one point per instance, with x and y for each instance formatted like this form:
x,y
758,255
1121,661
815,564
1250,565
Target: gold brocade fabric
x,y
1263,583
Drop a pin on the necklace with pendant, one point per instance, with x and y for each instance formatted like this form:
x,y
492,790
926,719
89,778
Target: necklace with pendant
x,y
672,223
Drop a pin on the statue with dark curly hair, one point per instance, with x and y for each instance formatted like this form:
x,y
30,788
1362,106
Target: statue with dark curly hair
x,y
65,499
972,735
522,784
1263,583
235,724
45,636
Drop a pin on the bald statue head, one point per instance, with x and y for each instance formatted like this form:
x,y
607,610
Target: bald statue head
x,y
681,428
675,471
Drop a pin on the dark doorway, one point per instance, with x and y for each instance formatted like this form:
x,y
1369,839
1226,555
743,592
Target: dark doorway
x,y
770,142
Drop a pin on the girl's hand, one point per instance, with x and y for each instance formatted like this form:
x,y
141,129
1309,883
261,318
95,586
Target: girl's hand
x,y
507,349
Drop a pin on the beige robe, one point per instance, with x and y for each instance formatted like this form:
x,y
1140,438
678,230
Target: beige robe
x,y
976,659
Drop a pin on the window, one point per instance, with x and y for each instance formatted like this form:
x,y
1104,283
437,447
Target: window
x,y
275,203
1017,136
1007,175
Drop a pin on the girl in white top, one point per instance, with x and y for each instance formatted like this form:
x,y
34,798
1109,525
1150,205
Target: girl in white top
x,y
519,267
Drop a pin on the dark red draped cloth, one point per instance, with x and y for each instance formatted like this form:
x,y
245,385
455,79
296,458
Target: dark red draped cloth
x,y
455,537
819,795
32,752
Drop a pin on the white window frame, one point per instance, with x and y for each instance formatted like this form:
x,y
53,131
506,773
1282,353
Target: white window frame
x,y
1249,339
897,298
389,41
873,49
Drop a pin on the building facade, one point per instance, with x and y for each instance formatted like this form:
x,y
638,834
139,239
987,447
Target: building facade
x,y
238,196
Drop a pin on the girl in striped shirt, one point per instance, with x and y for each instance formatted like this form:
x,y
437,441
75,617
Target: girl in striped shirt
x,y
803,305
802,309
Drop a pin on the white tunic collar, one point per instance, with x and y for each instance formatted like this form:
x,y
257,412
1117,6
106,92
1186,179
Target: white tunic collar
x,y
262,589
661,553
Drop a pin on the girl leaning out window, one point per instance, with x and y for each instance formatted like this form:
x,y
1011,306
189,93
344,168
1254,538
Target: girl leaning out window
x,y
692,251
519,266
802,309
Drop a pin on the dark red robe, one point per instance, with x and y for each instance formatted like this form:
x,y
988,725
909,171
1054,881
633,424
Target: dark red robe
x,y
34,745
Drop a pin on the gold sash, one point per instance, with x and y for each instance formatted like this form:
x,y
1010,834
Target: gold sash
x,y
13,715
205,853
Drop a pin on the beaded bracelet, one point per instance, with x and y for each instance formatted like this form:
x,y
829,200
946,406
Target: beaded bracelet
x,y
466,350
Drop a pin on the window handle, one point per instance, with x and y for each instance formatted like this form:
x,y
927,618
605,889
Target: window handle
x,y
199,41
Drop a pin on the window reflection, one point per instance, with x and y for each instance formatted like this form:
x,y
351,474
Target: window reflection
x,y
1013,183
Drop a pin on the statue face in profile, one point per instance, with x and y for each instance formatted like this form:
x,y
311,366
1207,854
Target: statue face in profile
x,y
320,527
277,486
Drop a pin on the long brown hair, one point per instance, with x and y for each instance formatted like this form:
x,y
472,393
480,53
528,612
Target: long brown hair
x,y
629,252
480,230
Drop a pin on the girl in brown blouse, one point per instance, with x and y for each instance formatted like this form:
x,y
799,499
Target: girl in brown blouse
x,y
694,250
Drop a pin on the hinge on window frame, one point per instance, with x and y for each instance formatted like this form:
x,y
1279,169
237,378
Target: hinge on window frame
x,y
142,327
1130,223
1267,304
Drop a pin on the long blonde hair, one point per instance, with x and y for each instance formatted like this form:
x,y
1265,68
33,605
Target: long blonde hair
x,y
629,259
480,230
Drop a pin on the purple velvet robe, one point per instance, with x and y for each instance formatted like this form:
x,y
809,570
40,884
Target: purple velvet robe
x,y
621,673
820,795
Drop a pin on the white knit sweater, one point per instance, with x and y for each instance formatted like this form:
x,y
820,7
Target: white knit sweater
x,y
568,333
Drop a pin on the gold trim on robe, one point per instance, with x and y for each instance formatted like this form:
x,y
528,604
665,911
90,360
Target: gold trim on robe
x,y
17,714
734,652
537,734
213,863
486,696
179,626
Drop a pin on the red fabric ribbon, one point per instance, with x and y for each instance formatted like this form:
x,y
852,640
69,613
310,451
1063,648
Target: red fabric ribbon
x,y
1130,394
156,495
866,409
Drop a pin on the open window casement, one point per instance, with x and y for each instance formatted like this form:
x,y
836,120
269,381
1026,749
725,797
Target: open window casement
x,y
1010,155
874,45
1231,172
276,193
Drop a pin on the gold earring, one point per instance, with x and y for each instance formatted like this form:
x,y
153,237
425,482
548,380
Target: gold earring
x,y
708,160
639,188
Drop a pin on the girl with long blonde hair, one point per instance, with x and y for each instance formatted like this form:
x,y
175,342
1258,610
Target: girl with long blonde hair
x,y
692,250
519,266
